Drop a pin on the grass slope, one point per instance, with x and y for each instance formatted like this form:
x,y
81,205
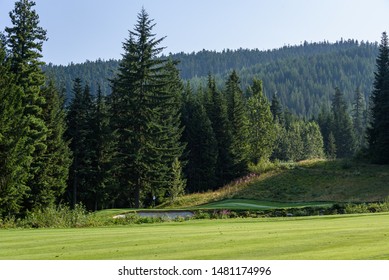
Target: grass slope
x,y
328,237
307,181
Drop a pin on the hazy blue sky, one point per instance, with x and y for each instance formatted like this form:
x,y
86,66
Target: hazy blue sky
x,y
90,29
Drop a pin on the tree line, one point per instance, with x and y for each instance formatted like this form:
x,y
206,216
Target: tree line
x,y
303,76
154,137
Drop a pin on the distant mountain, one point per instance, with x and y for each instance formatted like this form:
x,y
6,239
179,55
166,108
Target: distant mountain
x,y
303,76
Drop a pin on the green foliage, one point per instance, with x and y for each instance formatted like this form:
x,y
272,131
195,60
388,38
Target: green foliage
x,y
216,107
261,126
237,116
342,127
178,183
14,155
201,149
378,137
145,105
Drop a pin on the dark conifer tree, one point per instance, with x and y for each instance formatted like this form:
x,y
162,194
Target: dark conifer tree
x,y
102,153
201,150
342,127
359,119
54,177
238,120
216,107
25,40
276,109
261,125
140,99
14,153
378,136
80,134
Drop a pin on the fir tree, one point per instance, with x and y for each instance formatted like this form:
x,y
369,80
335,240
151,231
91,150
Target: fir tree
x,y
378,138
201,150
359,119
101,155
237,116
25,40
261,125
57,155
140,100
80,134
216,107
342,127
14,153
276,109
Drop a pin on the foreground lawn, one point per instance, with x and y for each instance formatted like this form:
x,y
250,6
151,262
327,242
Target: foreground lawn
x,y
329,237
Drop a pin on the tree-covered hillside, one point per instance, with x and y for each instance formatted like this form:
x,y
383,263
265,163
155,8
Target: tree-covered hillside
x,y
304,76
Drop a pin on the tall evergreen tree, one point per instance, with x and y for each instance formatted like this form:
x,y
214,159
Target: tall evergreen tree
x,y
238,120
14,153
140,99
216,107
342,127
102,153
25,40
378,137
201,150
359,119
261,125
80,134
276,109
53,178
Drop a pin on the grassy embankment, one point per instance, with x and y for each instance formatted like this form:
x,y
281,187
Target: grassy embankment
x,y
308,183
330,237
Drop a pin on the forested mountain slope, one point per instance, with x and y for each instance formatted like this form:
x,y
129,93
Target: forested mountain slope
x,y
304,76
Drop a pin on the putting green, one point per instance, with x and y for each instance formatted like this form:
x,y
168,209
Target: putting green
x,y
326,237
248,204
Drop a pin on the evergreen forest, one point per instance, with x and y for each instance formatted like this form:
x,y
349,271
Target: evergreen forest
x,y
146,129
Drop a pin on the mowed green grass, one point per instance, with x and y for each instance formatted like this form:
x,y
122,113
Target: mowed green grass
x,y
326,237
249,204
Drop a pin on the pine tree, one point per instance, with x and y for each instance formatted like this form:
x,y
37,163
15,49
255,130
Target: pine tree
x,y
238,120
358,116
25,40
342,127
276,109
53,178
216,107
102,153
378,138
313,141
261,124
80,134
141,97
14,156
178,183
201,150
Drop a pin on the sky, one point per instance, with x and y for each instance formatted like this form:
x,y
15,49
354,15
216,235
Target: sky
x,y
80,30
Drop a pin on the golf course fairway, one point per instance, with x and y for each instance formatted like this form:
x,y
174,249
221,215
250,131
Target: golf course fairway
x,y
317,238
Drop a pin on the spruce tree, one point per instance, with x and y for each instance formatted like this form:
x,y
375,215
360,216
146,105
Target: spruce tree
x,y
261,124
80,134
216,107
342,127
378,138
53,178
201,150
276,109
144,90
102,153
14,153
25,40
237,115
359,119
